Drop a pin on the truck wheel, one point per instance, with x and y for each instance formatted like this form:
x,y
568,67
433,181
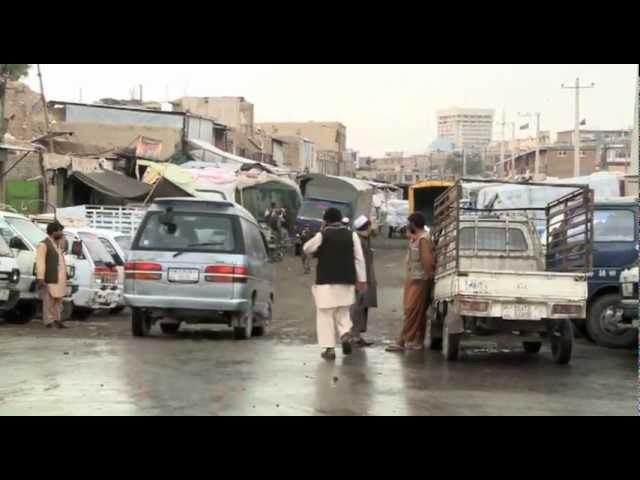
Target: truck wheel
x,y
450,343
81,313
604,334
532,347
140,323
22,314
244,333
562,342
434,336
169,328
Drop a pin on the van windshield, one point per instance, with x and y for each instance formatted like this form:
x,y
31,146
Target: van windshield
x,y
190,232
30,231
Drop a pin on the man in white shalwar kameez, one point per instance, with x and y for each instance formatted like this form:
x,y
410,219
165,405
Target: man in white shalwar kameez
x,y
341,270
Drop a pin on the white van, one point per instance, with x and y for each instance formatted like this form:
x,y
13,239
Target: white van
x,y
9,278
23,237
97,275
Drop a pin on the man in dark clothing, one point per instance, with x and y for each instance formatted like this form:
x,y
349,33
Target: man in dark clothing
x,y
341,271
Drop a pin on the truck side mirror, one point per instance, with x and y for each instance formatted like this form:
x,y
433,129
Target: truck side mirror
x,y
76,248
16,243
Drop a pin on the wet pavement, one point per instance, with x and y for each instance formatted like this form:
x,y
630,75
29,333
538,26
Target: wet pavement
x,y
97,368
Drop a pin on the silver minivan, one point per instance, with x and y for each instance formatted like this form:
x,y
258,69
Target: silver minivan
x,y
199,262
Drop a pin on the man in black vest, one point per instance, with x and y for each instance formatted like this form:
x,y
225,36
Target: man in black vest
x,y
341,271
51,275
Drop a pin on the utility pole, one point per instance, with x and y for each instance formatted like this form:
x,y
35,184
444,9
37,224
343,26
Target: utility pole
x,y
4,79
576,139
464,163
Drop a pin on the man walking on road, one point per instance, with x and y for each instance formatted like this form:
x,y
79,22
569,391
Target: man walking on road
x,y
341,271
369,299
51,275
418,285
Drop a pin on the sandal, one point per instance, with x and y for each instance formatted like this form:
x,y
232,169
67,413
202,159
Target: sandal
x,y
395,348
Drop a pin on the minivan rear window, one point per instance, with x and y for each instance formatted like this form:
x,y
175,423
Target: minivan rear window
x,y
196,232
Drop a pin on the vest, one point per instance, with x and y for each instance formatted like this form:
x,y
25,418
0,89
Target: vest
x,y
336,261
52,262
416,269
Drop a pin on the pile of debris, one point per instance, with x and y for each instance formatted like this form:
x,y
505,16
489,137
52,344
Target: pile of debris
x,y
24,112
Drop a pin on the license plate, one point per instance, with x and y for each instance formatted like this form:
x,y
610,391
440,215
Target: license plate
x,y
181,275
517,312
4,295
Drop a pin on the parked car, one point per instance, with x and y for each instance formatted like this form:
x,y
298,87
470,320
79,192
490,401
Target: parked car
x,y
630,299
9,278
493,278
199,262
117,244
96,274
23,237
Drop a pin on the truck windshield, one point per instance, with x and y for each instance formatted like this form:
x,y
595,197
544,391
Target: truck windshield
x,y
614,226
316,208
190,232
493,239
30,231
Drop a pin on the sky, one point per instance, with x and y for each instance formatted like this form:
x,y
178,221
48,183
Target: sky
x,y
385,107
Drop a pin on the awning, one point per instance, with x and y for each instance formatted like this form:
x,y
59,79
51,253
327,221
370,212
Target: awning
x,y
114,184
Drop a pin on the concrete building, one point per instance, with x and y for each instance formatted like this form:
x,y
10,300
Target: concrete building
x,y
469,129
512,147
330,139
116,128
300,154
594,136
235,112
395,167
555,161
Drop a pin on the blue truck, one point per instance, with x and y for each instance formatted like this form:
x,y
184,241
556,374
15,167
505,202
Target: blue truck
x,y
615,248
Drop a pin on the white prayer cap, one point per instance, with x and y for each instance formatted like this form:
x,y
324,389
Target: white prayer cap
x,y
346,220
360,222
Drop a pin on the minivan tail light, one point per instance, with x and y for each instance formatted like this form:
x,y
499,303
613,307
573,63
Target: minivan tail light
x,y
143,271
226,274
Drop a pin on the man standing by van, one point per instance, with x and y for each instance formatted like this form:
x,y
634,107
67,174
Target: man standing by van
x,y
51,275
341,271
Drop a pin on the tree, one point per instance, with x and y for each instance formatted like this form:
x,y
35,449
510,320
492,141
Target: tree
x,y
16,71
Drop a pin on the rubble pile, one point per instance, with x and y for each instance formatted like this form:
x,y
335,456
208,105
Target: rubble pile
x,y
24,112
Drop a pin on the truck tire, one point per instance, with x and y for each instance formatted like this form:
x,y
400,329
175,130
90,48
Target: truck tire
x,y
433,341
450,344
598,330
532,347
562,342
22,313
81,314
169,328
244,333
140,323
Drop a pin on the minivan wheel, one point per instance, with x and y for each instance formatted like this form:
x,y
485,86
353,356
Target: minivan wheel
x,y
140,323
261,330
244,332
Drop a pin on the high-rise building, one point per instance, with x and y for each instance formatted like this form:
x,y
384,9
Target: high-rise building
x,y
469,129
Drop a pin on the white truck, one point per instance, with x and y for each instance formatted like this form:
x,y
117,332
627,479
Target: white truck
x,y
630,298
494,279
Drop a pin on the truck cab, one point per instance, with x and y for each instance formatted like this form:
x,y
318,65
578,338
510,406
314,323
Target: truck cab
x,y
615,247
